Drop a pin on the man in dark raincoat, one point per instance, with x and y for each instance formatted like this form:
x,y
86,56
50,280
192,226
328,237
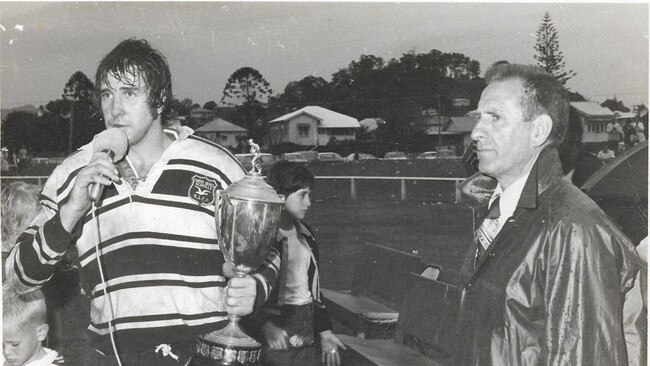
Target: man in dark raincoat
x,y
547,287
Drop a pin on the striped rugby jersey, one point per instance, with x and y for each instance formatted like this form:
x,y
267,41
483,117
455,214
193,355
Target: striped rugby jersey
x,y
158,245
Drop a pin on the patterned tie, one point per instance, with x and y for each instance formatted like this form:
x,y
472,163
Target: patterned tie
x,y
488,229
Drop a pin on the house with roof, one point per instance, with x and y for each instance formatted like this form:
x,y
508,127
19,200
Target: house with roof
x,y
594,120
222,132
201,115
453,132
312,125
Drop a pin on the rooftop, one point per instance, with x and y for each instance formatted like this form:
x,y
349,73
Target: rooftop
x,y
220,125
326,118
591,109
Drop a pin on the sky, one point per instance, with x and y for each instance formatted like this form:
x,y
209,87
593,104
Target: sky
x,y
43,43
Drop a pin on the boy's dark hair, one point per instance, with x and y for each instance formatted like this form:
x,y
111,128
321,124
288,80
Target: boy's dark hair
x,y
288,177
136,57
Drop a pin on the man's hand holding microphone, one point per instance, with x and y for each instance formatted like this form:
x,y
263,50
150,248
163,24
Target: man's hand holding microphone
x,y
109,146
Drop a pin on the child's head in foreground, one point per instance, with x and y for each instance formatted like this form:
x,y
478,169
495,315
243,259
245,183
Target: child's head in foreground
x,y
295,182
24,325
19,207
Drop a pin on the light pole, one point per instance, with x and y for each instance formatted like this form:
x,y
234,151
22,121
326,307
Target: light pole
x,y
69,115
439,122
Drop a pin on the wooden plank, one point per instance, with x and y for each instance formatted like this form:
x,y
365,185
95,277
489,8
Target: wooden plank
x,y
382,352
429,313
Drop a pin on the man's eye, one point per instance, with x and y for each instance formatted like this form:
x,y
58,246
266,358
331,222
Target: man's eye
x,y
105,95
129,93
491,117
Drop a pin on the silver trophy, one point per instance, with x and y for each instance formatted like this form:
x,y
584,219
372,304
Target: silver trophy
x,y
247,216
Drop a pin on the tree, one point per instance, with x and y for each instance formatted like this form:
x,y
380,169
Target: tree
x,y
246,85
547,51
576,97
79,88
211,105
180,108
247,89
614,105
20,129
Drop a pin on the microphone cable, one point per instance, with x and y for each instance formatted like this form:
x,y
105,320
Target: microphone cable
x,y
104,283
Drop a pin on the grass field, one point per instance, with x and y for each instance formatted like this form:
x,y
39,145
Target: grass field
x,y
437,232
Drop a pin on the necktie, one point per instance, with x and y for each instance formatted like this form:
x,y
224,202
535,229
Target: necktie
x,y
488,229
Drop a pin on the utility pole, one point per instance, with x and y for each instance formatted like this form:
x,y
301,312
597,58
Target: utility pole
x,y
70,117
439,124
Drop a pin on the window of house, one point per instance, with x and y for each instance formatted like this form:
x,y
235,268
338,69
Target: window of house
x,y
303,130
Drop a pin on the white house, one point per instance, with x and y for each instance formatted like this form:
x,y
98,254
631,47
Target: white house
x,y
312,125
222,132
594,119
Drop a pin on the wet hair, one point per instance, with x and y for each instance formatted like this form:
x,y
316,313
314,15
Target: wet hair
x,y
135,57
287,177
22,311
19,206
543,94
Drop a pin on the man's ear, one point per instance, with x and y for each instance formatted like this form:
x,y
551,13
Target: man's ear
x,y
541,129
41,332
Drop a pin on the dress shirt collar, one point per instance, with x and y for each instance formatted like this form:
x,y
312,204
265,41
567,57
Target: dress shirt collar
x,y
509,197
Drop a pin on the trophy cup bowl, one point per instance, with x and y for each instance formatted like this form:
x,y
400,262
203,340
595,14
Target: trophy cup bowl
x,y
247,216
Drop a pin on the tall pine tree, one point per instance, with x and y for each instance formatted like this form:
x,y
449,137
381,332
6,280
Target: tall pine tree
x,y
547,51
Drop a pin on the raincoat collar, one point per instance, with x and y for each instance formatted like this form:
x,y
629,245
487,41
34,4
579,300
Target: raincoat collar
x,y
546,171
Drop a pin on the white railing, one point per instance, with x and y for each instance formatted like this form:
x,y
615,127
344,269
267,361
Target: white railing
x,y
40,179
353,187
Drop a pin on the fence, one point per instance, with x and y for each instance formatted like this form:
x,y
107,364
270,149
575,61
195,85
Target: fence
x,y
39,180
359,187
372,187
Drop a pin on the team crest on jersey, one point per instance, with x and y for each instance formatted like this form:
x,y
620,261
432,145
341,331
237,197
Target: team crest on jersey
x,y
203,190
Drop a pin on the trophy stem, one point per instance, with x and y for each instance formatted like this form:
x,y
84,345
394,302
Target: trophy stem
x,y
228,345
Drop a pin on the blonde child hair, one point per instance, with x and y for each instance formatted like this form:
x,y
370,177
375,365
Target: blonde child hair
x,y
20,205
22,310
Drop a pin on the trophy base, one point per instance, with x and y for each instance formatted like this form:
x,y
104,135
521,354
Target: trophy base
x,y
227,346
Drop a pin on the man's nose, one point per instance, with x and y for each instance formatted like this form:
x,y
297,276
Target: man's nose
x,y
117,107
478,132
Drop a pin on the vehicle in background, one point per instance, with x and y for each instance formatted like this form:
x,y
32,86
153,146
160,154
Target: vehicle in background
x,y
265,161
309,155
428,155
329,156
362,157
437,154
295,157
445,153
395,155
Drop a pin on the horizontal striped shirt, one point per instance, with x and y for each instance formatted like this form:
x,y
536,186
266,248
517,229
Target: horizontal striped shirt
x,y
157,246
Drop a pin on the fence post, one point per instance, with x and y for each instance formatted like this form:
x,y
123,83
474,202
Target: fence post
x,y
403,189
353,189
459,194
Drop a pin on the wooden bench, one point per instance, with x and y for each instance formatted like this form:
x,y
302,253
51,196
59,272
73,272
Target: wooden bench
x,y
425,331
369,308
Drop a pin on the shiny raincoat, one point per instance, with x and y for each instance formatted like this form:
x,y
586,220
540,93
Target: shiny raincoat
x,y
549,290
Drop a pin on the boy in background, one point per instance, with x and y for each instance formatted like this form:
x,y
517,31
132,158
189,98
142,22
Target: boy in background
x,y
295,312
24,328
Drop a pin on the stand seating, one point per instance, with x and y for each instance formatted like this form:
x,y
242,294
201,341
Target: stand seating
x,y
378,287
425,333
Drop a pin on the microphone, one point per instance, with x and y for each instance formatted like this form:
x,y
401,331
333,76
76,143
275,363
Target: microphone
x,y
114,142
